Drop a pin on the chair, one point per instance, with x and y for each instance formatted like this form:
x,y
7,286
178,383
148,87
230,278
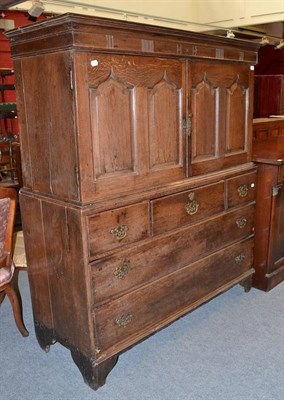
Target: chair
x,y
8,272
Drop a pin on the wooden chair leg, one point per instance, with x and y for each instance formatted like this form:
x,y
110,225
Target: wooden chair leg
x,y
16,302
2,297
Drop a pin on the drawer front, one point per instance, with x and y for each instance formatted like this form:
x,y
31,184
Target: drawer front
x,y
241,189
185,208
143,311
113,229
115,275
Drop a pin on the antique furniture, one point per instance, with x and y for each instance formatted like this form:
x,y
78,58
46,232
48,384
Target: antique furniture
x,y
8,113
8,273
139,191
268,95
268,153
268,136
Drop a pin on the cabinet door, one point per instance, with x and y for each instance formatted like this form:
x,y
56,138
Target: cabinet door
x,y
221,112
135,111
276,242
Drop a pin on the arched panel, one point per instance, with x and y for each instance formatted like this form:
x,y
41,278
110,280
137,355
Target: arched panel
x,y
165,124
237,110
113,128
205,121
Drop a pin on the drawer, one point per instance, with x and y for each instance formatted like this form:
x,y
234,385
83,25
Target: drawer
x,y
241,189
113,229
143,311
118,274
184,208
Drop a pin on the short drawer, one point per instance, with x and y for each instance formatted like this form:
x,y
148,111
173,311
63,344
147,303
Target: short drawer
x,y
113,229
241,189
143,311
118,274
184,208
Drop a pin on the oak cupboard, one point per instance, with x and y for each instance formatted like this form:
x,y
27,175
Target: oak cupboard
x,y
268,154
139,191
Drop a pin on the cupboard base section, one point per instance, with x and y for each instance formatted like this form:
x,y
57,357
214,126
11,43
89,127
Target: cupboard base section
x,y
95,369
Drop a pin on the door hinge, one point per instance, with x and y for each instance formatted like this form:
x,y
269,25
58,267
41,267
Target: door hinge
x,y
187,125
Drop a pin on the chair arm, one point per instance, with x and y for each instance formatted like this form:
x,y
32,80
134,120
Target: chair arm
x,y
5,260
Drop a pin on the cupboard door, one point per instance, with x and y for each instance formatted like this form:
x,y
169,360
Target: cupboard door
x,y
220,107
136,107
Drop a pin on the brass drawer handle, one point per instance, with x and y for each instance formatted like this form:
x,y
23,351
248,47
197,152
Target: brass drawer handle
x,y
119,232
192,207
243,190
240,259
123,320
122,271
241,222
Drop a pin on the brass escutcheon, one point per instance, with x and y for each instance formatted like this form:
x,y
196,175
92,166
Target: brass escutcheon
x,y
123,320
122,271
192,207
240,259
119,232
241,222
243,190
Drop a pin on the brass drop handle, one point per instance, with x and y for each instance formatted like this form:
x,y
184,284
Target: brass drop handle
x,y
239,259
243,190
119,232
192,206
124,320
241,222
121,271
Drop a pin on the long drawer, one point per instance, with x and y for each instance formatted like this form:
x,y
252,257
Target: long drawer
x,y
114,275
152,306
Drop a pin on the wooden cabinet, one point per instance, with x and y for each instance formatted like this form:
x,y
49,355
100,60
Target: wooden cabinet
x,y
268,138
268,95
269,234
139,190
269,228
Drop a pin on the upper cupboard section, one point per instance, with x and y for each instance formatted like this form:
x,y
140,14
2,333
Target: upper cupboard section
x,y
127,106
139,121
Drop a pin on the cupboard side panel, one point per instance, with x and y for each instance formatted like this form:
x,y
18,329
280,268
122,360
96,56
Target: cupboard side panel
x,y
49,125
22,118
32,222
69,282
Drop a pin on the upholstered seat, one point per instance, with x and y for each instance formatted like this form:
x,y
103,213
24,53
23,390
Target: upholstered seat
x,y
19,256
8,274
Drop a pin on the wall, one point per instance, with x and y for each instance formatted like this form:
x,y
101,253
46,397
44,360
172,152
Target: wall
x,y
20,19
225,13
234,13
